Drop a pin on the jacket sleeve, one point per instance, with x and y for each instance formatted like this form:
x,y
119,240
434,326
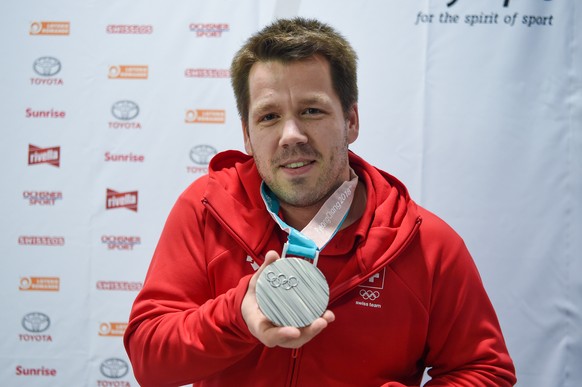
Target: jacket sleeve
x,y
177,332
465,345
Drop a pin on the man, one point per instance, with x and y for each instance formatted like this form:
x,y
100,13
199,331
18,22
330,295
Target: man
x,y
404,293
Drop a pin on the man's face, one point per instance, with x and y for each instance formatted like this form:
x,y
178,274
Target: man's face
x,y
297,131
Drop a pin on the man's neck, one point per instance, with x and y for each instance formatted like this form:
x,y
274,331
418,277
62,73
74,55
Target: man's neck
x,y
299,217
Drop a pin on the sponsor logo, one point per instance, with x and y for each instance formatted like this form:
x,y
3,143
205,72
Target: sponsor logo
x,y
370,290
42,198
41,241
114,368
120,242
50,28
121,200
41,284
124,158
119,285
42,371
128,72
376,281
209,30
205,116
30,113
112,329
135,29
201,156
35,323
51,156
207,73
124,111
46,67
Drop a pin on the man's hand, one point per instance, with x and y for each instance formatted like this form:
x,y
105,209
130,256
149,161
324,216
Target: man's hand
x,y
270,334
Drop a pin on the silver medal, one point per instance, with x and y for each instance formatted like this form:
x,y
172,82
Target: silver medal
x,y
292,292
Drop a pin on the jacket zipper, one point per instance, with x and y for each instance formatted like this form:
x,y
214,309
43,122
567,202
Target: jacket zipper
x,y
295,352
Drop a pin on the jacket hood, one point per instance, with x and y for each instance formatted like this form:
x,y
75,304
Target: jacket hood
x,y
387,225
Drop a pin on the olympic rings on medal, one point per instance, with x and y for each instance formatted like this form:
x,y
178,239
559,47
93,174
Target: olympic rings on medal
x,y
369,294
281,280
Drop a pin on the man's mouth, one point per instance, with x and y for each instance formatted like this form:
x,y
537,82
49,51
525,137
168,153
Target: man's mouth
x,y
297,164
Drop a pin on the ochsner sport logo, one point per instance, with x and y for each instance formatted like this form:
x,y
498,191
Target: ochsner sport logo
x,y
37,155
121,200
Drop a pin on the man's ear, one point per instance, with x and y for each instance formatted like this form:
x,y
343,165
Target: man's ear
x,y
245,129
353,123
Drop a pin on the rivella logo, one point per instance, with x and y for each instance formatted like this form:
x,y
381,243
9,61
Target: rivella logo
x,y
114,368
116,199
37,155
112,329
209,30
40,284
50,28
128,72
205,116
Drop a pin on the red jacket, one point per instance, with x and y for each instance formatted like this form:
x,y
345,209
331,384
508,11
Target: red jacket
x,y
404,289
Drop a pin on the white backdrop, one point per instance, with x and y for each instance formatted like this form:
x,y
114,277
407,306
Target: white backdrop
x,y
109,109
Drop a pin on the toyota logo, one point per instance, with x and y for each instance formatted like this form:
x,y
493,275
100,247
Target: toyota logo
x,y
201,154
36,322
46,66
125,110
114,368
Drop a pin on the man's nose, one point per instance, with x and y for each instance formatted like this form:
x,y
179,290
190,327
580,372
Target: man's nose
x,y
292,133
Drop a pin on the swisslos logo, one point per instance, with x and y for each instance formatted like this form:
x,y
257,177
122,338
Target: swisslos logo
x,y
41,240
124,112
116,199
46,67
37,155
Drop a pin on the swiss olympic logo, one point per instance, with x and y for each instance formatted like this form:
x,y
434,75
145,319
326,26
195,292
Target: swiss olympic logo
x,y
46,66
36,322
114,368
369,294
125,110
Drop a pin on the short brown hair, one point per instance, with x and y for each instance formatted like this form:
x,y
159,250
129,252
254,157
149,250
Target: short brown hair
x,y
288,40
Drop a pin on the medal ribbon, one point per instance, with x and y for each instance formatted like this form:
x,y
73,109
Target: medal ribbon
x,y
321,229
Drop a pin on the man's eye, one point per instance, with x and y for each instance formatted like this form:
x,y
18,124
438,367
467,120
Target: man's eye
x,y
312,111
268,117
